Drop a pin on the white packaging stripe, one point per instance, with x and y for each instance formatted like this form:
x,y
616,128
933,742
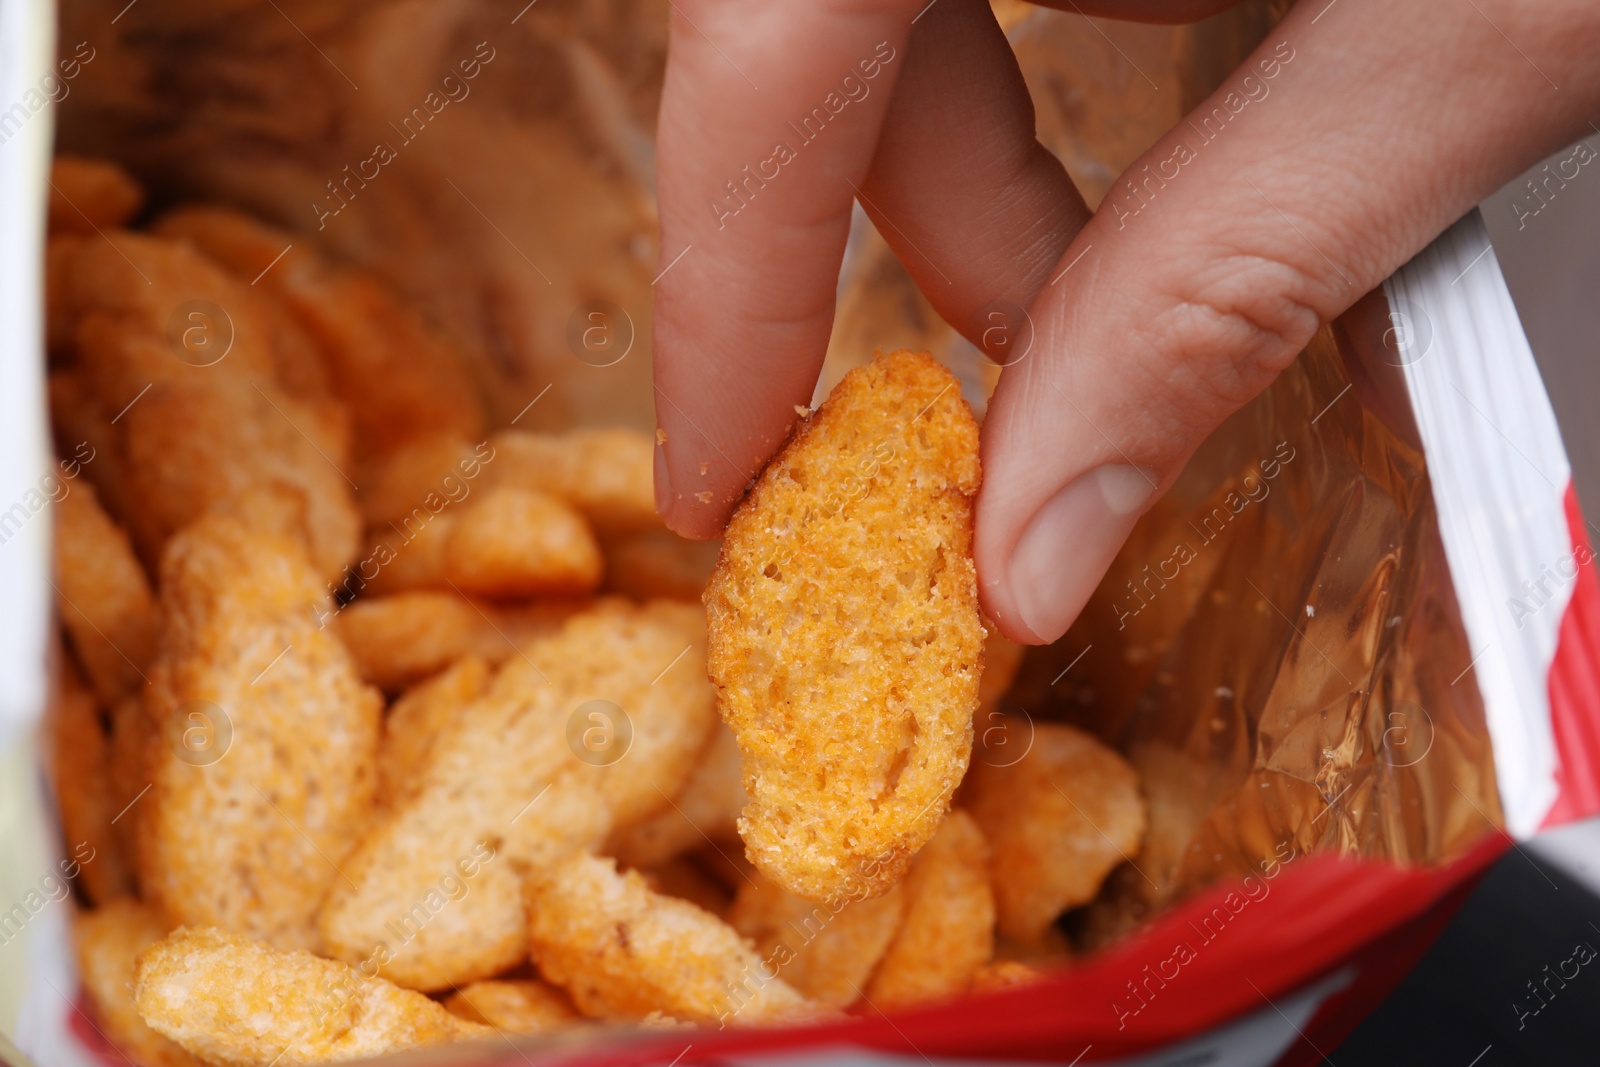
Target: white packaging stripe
x,y
1500,474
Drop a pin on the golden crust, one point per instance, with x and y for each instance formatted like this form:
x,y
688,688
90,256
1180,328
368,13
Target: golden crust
x,y
87,800
623,951
846,643
704,812
523,1006
107,941
1057,821
261,741
103,596
826,951
87,195
522,776
948,930
231,1000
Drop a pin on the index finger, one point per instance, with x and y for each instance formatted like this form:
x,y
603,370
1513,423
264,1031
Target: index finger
x,y
769,117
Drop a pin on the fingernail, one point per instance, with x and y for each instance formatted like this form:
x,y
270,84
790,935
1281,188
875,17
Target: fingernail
x,y
1070,542
663,478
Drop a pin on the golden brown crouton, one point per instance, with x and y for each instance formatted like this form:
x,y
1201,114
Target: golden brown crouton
x,y
948,930
401,639
262,741
503,543
401,381
600,722
108,940
231,1000
181,356
703,813
605,473
102,595
91,194
79,750
846,644
624,952
416,720
826,951
1057,821
523,1006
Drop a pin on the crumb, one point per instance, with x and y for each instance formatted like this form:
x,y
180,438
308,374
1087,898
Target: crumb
x,y
661,436
802,410
703,468
704,496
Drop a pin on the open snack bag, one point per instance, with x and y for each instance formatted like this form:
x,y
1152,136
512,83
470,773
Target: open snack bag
x,y
356,701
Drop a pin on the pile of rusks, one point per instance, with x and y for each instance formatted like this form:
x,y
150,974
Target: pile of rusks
x,y
373,728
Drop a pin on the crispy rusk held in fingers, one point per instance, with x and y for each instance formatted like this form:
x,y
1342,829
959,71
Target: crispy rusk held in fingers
x,y
88,194
518,1006
231,1000
79,750
1057,820
261,740
703,813
623,951
103,596
948,930
826,951
598,723
846,644
108,940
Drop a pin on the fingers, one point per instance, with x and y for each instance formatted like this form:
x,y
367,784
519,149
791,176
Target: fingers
x,y
769,116
974,207
1341,148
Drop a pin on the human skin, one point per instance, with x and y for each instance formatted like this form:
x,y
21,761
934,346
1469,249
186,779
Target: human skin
x,y
1388,124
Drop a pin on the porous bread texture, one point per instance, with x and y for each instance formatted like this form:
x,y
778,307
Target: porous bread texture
x,y
433,894
260,741
231,1000
1057,820
846,643
624,952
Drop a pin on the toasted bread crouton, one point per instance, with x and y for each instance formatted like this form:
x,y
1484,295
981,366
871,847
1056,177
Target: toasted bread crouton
x,y
846,643
623,951
108,940
522,1006
88,195
948,930
1057,819
231,1000
597,724
102,596
248,818
826,951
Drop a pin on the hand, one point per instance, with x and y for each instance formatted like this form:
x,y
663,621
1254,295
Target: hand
x,y
1348,140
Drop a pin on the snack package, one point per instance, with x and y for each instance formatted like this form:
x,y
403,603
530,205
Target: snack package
x,y
1348,660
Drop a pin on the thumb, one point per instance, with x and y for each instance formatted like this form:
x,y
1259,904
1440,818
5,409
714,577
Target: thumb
x,y
1341,147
